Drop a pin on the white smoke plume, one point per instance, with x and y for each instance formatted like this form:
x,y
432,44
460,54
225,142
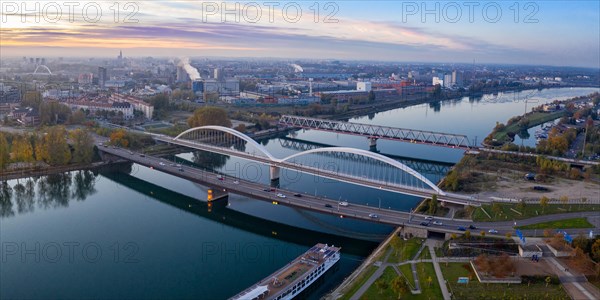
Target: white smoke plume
x,y
193,72
297,68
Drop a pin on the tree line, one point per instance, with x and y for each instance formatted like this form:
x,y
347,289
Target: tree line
x,y
54,146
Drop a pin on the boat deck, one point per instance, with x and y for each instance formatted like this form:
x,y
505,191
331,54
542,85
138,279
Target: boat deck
x,y
290,274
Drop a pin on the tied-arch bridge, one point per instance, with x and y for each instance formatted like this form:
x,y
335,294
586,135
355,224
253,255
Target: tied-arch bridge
x,y
44,68
372,170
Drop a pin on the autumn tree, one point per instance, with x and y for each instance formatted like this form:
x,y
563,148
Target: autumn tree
x,y
4,151
433,204
544,202
381,285
209,115
83,146
496,208
396,244
57,149
399,286
596,250
22,150
119,137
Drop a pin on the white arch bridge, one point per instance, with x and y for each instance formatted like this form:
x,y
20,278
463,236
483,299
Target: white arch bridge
x,y
373,170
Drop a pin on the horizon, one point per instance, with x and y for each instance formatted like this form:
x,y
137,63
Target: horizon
x,y
532,34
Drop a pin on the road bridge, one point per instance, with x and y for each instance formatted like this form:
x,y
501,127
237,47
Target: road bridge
x,y
372,170
323,205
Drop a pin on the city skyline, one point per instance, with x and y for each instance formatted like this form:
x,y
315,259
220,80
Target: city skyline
x,y
488,32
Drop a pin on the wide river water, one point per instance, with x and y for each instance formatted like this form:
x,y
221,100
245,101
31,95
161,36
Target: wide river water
x,y
138,233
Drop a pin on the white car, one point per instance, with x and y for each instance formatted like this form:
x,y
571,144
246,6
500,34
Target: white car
x,y
493,231
280,195
343,203
429,218
236,182
438,223
373,216
161,163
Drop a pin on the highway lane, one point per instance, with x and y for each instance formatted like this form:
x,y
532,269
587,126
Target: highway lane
x,y
306,201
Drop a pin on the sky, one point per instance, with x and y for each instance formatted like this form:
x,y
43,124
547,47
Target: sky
x,y
565,33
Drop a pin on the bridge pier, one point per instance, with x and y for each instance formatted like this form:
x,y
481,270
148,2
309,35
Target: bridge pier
x,y
274,172
372,142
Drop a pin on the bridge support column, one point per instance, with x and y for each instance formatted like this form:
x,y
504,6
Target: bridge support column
x,y
274,172
372,142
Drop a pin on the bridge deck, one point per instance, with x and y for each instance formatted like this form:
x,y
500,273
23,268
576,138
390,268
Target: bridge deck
x,y
257,191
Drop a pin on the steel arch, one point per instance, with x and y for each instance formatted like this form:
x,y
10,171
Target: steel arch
x,y
263,150
234,132
372,155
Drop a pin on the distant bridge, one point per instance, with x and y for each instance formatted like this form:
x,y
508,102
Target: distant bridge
x,y
44,68
375,132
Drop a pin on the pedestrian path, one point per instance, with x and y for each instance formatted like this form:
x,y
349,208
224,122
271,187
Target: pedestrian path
x,y
438,271
574,287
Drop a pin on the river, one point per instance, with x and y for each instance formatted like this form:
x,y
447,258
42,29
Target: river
x,y
139,233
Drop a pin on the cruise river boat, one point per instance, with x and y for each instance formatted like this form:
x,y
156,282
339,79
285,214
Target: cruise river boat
x,y
295,277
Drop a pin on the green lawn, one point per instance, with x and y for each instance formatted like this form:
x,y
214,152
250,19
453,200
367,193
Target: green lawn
x,y
476,290
360,280
375,293
433,291
425,254
407,271
530,210
535,119
560,224
407,250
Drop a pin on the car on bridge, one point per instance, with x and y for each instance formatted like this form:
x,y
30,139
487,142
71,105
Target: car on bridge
x,y
424,223
438,223
328,205
280,195
472,226
343,203
493,231
298,195
429,218
461,228
373,216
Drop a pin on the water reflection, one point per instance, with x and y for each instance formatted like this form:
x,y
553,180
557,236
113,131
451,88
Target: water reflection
x,y
52,191
209,160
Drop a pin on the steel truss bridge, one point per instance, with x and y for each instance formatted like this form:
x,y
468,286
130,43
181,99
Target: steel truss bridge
x,y
375,132
348,165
